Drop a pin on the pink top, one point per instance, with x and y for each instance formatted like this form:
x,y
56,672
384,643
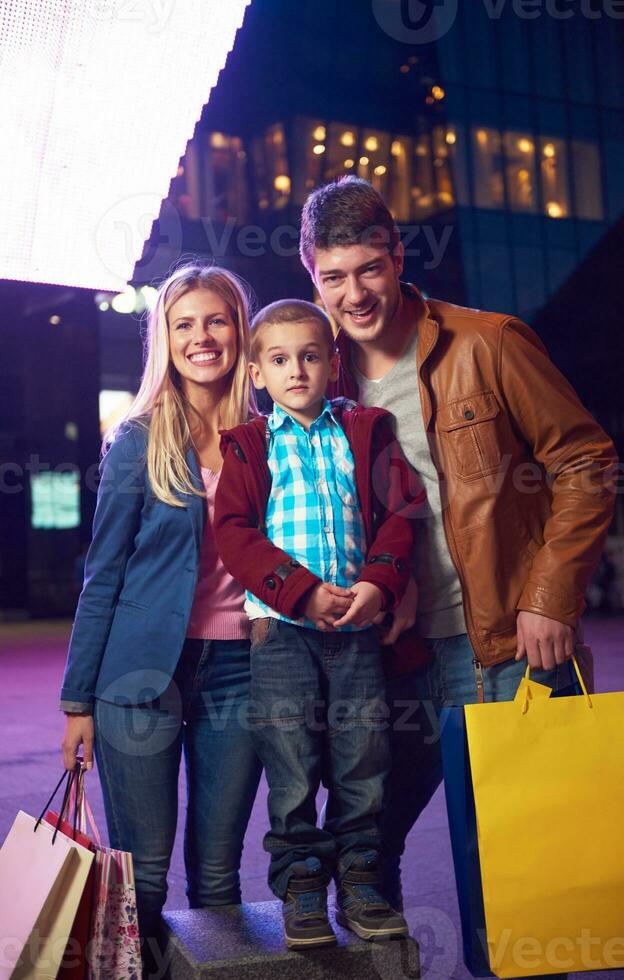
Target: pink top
x,y
217,612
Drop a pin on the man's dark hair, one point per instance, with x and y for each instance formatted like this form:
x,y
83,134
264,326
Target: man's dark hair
x,y
348,211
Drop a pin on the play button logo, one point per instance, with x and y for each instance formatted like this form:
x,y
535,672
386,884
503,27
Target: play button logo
x,y
415,21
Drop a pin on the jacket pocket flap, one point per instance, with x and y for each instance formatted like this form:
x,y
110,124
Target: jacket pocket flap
x,y
478,407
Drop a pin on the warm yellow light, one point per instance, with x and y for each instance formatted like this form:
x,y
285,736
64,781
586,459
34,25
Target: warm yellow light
x,y
218,140
318,149
549,150
380,171
525,146
451,138
348,164
371,144
396,149
282,183
347,138
482,136
523,175
445,197
554,210
438,93
364,161
319,133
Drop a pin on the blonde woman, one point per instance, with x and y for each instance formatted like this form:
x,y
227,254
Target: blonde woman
x,y
158,662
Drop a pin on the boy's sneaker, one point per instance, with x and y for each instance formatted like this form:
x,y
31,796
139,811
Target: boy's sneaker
x,y
361,907
305,909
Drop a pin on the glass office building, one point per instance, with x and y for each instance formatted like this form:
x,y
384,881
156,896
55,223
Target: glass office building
x,y
507,130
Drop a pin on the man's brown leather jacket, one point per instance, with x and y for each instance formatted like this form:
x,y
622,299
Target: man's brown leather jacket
x,y
526,473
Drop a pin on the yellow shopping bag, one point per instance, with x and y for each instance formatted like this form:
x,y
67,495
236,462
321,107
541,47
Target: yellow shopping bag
x,y
548,778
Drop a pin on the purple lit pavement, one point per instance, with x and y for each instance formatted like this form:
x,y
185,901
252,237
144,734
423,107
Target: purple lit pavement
x,y
31,663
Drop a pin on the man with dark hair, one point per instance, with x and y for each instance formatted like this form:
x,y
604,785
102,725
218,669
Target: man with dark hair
x,y
519,480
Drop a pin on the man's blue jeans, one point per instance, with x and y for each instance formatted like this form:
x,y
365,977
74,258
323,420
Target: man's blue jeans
x,y
204,712
416,700
316,702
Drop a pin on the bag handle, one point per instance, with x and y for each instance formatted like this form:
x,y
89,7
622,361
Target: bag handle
x,y
82,810
71,775
527,695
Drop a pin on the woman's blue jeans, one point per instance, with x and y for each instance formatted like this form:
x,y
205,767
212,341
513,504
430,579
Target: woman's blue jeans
x,y
203,712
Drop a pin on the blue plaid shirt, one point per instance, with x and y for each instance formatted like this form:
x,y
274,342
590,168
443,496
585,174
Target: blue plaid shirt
x,y
313,511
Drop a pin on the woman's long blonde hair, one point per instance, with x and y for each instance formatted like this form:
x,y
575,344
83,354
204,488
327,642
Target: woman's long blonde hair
x,y
160,404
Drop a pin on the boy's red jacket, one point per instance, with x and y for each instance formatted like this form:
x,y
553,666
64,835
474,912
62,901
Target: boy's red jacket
x,y
390,495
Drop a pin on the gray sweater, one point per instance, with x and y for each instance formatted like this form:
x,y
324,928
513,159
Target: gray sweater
x,y
440,607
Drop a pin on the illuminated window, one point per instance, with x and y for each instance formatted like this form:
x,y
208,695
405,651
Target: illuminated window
x,y
277,163
520,171
340,154
376,149
213,183
587,183
261,174
423,198
54,500
442,167
488,168
455,139
308,164
552,155
271,170
399,198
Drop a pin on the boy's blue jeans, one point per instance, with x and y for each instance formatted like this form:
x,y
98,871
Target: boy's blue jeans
x,y
203,713
317,702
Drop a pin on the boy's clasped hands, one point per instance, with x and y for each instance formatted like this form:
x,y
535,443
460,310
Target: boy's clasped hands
x,y
331,607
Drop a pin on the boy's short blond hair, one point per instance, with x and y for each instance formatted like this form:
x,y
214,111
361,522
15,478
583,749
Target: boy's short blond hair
x,y
285,311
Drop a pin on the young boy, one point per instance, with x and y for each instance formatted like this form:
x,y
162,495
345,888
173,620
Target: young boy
x,y
314,516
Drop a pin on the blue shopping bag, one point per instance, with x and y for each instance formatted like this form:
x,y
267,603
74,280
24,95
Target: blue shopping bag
x,y
463,829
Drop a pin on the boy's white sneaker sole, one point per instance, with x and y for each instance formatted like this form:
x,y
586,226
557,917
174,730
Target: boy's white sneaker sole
x,y
369,933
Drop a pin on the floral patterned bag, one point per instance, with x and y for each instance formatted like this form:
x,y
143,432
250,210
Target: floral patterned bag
x,y
113,949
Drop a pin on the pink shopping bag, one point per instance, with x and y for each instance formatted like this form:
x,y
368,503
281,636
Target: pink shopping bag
x,y
113,950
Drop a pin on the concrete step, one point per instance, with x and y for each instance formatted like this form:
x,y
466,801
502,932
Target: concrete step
x,y
246,942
